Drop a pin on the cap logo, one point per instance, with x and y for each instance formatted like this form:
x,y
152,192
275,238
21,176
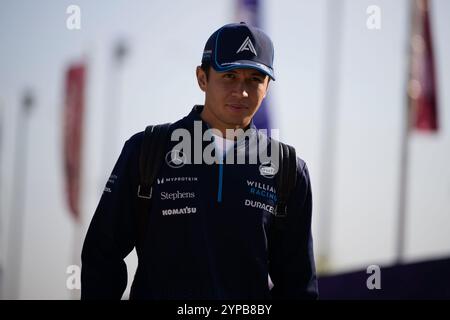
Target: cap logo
x,y
247,45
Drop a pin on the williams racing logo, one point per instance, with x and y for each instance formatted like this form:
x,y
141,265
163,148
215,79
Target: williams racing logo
x,y
262,190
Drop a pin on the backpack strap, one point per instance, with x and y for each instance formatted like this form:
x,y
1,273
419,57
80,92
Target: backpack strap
x,y
286,177
286,181
151,159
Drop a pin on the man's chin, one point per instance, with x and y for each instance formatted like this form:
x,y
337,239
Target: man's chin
x,y
241,124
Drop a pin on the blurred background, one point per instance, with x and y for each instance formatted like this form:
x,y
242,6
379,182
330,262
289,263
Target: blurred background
x,y
362,92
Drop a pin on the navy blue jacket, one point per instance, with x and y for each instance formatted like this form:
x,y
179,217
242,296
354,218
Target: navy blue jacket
x,y
208,236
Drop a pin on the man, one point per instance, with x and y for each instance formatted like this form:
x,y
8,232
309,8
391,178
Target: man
x,y
209,233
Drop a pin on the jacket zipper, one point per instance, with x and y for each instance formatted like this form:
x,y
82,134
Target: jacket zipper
x,y
219,191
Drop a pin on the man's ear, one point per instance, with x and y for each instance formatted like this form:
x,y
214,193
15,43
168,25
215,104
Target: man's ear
x,y
201,79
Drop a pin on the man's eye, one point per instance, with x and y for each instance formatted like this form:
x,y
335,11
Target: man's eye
x,y
229,75
257,79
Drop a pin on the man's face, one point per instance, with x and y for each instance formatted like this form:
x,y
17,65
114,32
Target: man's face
x,y
232,97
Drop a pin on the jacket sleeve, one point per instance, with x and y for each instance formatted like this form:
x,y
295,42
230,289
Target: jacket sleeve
x,y
291,258
111,234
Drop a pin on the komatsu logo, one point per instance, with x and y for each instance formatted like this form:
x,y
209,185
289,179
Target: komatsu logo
x,y
185,210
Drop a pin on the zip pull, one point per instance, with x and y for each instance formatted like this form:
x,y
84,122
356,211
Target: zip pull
x,y
219,191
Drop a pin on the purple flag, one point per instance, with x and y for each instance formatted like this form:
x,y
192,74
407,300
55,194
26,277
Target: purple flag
x,y
249,11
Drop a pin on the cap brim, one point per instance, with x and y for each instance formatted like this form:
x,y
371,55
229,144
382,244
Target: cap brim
x,y
245,64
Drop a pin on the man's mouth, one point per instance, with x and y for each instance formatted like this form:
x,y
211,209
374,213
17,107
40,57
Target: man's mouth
x,y
236,106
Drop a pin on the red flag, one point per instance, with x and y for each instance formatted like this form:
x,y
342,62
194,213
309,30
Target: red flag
x,y
73,124
422,84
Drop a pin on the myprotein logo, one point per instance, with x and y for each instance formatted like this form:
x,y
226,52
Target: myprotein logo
x,y
185,210
177,195
176,179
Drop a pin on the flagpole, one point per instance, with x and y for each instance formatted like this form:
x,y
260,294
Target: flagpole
x,y
2,247
112,110
74,115
404,152
78,234
15,234
420,104
328,143
403,183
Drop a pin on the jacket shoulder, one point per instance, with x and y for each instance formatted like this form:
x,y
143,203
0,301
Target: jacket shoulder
x,y
135,139
301,164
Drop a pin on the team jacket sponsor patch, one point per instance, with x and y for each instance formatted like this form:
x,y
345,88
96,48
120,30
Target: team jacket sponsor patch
x,y
177,195
176,179
112,179
262,190
259,205
185,210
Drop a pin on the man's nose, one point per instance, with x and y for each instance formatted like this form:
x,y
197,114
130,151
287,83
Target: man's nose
x,y
240,90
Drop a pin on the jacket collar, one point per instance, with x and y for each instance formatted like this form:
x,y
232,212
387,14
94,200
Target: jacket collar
x,y
194,115
197,110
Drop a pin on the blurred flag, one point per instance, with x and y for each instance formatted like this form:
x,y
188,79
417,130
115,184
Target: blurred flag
x,y
73,124
422,104
249,11
422,81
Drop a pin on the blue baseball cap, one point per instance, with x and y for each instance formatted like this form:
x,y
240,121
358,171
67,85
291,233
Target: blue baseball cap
x,y
238,45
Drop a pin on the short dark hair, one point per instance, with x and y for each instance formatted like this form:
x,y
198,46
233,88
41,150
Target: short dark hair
x,y
205,67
